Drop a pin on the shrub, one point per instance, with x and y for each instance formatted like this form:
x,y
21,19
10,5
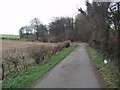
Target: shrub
x,y
38,53
67,43
12,56
14,59
17,59
64,44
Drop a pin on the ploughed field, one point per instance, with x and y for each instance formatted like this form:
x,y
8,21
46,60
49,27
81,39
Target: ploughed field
x,y
14,47
18,56
6,45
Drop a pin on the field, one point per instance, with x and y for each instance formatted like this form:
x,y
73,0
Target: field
x,y
7,44
9,36
22,75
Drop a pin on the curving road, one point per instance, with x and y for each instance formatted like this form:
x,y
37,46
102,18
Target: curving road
x,y
75,71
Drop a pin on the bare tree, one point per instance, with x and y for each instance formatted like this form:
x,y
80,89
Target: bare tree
x,y
35,23
61,28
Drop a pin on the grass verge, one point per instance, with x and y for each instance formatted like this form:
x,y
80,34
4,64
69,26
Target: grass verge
x,y
9,36
37,71
107,71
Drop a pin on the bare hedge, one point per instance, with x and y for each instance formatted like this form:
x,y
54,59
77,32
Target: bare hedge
x,y
19,59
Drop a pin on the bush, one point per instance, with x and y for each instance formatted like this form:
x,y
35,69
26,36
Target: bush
x,y
67,43
38,53
64,44
17,59
13,59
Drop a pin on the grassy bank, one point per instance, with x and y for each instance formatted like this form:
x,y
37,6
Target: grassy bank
x,y
107,71
34,72
9,36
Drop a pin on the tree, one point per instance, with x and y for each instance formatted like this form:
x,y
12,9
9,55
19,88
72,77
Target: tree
x,y
26,30
99,25
114,15
43,32
96,23
21,30
35,23
61,28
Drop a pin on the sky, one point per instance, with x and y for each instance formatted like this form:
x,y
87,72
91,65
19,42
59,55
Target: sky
x,y
17,13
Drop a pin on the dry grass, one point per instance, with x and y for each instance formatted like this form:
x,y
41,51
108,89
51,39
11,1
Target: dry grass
x,y
6,45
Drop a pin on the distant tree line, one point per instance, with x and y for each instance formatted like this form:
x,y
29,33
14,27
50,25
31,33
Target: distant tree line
x,y
60,29
35,31
99,26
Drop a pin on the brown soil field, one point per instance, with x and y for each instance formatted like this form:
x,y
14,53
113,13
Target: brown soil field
x,y
7,44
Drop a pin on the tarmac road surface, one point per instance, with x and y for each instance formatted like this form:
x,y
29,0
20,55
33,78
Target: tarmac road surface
x,y
75,71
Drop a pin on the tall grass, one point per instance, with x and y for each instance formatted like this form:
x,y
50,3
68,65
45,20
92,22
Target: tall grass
x,y
108,71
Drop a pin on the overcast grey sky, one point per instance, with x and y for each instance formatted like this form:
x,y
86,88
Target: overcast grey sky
x,y
17,13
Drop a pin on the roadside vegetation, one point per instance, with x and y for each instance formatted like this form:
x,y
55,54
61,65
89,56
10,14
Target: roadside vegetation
x,y
99,26
109,71
17,73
